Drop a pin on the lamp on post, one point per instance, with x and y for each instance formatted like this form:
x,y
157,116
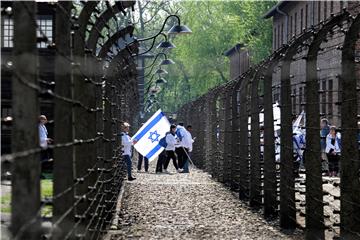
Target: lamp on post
x,y
178,29
165,44
166,61
160,81
174,30
161,71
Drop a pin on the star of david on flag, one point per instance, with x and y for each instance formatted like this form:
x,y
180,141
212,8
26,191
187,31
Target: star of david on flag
x,y
148,136
154,136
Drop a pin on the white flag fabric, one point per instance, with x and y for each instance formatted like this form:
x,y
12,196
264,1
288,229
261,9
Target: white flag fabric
x,y
296,124
148,136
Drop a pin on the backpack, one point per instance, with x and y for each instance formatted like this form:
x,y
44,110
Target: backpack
x,y
163,142
178,134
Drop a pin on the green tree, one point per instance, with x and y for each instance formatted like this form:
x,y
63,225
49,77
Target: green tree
x,y
217,26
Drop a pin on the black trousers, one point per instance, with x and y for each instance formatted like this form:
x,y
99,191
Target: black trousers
x,y
170,155
182,157
146,162
160,161
333,162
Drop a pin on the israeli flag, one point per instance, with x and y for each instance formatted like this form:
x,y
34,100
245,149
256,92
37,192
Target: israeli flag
x,y
148,137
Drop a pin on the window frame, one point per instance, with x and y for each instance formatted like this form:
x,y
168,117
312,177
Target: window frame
x,y
7,32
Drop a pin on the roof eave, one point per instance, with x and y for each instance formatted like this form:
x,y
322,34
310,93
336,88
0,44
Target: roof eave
x,y
272,10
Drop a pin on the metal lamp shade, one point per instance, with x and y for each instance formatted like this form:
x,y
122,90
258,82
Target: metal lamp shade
x,y
166,44
179,29
161,71
155,89
167,61
160,81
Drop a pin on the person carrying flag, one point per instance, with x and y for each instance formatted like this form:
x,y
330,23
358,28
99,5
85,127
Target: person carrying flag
x,y
147,138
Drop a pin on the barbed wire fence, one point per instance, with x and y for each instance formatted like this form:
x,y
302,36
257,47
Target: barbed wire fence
x,y
239,153
94,91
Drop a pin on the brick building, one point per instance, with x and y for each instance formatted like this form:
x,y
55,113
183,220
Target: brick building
x,y
290,18
46,21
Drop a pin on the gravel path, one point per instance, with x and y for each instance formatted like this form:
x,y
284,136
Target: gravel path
x,y
187,206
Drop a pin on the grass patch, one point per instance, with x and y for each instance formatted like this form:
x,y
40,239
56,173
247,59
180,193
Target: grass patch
x,y
5,203
46,191
46,188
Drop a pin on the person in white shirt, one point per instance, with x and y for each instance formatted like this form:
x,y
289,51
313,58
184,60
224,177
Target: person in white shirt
x,y
126,148
43,133
333,151
171,141
183,147
44,140
179,148
189,140
190,143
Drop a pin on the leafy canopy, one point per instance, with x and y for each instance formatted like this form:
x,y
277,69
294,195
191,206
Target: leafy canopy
x,y
217,26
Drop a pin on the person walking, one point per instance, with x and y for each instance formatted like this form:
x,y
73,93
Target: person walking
x,y
298,151
180,146
333,151
43,133
126,148
189,140
44,141
325,130
183,147
170,139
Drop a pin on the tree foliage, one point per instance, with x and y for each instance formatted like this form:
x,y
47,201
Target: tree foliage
x,y
217,26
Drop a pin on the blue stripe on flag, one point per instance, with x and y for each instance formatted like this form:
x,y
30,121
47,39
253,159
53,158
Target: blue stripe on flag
x,y
149,126
153,151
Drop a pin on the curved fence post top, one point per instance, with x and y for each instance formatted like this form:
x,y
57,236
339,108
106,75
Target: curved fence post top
x,y
103,19
125,34
321,33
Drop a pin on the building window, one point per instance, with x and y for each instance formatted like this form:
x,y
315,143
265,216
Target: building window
x,y
325,10
330,97
323,97
279,38
6,112
274,38
45,23
7,32
331,7
306,15
301,20
319,12
341,5
295,24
